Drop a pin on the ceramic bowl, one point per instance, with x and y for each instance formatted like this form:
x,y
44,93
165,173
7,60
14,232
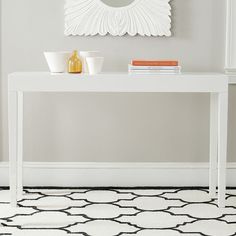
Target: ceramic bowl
x,y
94,64
57,61
84,54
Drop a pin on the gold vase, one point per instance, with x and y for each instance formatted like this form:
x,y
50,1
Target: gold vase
x,y
74,63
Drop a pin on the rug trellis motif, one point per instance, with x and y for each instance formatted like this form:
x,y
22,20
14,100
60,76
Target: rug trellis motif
x,y
117,212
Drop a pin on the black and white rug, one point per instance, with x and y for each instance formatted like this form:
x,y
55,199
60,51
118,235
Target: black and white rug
x,y
117,212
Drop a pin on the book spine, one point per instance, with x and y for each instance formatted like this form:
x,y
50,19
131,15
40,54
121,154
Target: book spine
x,y
154,63
154,67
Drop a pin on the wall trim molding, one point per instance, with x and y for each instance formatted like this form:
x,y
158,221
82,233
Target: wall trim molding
x,y
115,174
230,52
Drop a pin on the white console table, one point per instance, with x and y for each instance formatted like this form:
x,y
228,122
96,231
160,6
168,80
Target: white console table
x,y
215,84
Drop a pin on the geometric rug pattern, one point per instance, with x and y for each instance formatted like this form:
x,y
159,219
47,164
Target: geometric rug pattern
x,y
117,212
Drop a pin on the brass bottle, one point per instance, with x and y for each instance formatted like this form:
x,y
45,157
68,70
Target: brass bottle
x,y
74,63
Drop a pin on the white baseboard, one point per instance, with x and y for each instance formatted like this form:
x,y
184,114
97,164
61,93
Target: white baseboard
x,y
115,174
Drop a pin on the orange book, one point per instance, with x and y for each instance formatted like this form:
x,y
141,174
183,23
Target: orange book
x,y
154,63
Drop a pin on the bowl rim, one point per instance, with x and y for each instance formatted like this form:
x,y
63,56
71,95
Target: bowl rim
x,y
58,52
89,51
95,57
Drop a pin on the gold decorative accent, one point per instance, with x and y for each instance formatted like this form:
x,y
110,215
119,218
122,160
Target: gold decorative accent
x,y
74,63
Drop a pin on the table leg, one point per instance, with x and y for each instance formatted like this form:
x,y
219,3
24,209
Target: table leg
x,y
213,144
222,147
20,146
12,122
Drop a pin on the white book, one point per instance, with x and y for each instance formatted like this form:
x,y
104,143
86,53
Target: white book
x,y
154,71
169,72
131,67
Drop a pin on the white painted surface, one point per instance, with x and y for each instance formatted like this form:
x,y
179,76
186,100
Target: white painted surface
x,y
181,83
115,174
20,126
13,145
222,146
232,79
230,35
213,144
118,82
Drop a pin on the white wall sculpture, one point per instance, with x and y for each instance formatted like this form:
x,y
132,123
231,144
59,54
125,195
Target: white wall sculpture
x,y
139,17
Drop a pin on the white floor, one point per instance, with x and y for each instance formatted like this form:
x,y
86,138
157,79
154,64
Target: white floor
x,y
117,212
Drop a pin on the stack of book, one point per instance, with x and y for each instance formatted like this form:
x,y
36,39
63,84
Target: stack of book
x,y
154,67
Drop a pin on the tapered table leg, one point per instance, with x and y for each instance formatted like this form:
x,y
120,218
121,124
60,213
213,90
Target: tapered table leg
x,y
222,147
20,145
12,119
213,144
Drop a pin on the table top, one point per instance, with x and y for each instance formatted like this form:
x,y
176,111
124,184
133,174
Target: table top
x,y
35,75
117,82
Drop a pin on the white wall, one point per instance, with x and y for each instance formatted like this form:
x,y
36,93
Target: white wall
x,y
105,127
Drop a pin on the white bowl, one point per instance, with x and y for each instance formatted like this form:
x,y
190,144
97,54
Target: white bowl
x,y
94,64
84,54
57,61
